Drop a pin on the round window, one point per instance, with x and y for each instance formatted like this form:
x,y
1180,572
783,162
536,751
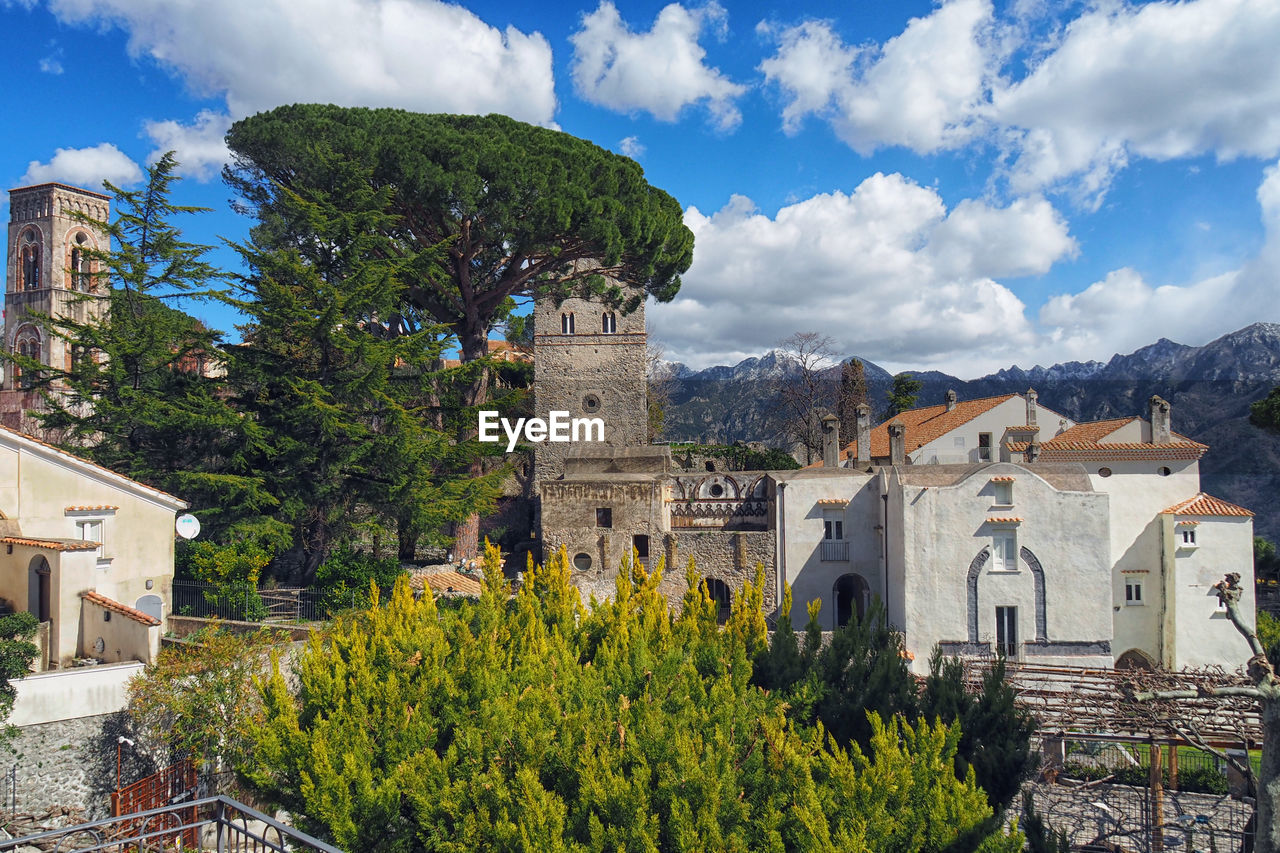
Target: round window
x,y
717,490
1104,472
1165,472
591,403
582,561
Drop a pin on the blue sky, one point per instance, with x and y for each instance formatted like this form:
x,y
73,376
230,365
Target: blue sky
x,y
958,186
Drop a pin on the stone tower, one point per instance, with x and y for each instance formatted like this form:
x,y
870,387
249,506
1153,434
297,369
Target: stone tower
x,y
589,360
49,272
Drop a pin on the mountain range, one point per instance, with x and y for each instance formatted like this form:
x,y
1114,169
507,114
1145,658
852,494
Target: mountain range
x,y
1210,389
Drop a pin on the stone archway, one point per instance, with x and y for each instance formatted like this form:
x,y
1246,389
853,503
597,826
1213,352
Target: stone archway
x,y
1136,659
39,588
1037,580
852,594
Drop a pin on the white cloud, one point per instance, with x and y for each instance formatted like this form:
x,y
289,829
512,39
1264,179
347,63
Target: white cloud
x,y
885,270
416,54
660,72
631,147
199,147
1162,80
925,89
52,64
85,167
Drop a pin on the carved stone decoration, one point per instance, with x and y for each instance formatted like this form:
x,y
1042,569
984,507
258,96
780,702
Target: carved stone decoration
x,y
975,569
1037,575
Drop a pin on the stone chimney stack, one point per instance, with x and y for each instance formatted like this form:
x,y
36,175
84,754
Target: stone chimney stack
x,y
1032,405
830,441
951,400
1033,451
1161,433
897,443
863,415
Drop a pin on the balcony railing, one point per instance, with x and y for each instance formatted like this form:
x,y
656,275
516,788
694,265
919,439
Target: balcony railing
x,y
217,823
835,550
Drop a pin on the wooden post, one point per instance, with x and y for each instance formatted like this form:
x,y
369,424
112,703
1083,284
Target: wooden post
x,y
1157,797
1173,767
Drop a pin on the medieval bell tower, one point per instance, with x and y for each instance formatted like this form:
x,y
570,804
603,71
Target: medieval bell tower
x,y
51,272
590,361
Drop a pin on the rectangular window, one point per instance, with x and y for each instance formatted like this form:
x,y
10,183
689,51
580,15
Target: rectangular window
x,y
566,323
1188,536
90,530
1004,552
984,447
1133,592
604,517
1003,493
609,322
1007,631
640,543
833,528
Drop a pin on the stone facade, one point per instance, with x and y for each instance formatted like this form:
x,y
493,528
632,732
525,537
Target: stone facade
x,y
49,271
72,763
589,361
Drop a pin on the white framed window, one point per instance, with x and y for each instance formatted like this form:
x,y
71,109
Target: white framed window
x,y
94,530
1004,551
1187,537
1007,631
1133,593
984,447
833,529
1002,493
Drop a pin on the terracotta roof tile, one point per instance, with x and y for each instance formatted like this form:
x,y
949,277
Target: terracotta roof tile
x,y
123,609
98,508
1203,504
446,583
1002,479
926,424
51,544
1068,451
1005,519
1093,431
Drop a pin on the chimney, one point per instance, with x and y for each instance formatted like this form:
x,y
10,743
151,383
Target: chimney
x,y
830,441
864,433
897,443
1033,451
1160,431
1032,399
951,400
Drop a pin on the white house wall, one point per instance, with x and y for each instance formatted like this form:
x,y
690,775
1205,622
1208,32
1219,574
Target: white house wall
x,y
1198,629
945,532
960,445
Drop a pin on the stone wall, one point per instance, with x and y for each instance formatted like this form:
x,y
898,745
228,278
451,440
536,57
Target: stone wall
x,y
72,763
731,556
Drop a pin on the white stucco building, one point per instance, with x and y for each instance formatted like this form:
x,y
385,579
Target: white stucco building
x,y
997,523
87,550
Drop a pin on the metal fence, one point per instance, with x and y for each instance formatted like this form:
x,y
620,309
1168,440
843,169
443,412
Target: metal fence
x,y
217,823
246,604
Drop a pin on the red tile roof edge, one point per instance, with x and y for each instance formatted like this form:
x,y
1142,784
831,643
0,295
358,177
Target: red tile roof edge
x,y
123,609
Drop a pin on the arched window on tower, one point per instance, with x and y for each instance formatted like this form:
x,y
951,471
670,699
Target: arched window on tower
x,y
566,323
26,343
608,322
30,257
80,264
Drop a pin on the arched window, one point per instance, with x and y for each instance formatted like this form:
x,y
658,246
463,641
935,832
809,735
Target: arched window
x,y
29,258
608,322
566,323
720,593
852,597
80,264
26,343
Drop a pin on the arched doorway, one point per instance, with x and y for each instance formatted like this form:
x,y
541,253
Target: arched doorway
x,y
720,593
852,595
151,605
39,588
1136,659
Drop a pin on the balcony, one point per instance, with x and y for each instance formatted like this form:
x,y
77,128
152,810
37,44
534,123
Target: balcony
x,y
835,550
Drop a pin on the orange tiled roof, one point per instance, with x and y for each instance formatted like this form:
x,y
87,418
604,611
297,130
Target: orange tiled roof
x,y
926,424
98,508
1070,451
51,544
1002,479
1203,504
1093,431
446,583
1005,519
123,609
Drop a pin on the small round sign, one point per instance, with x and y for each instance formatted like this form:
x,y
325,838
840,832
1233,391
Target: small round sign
x,y
188,526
